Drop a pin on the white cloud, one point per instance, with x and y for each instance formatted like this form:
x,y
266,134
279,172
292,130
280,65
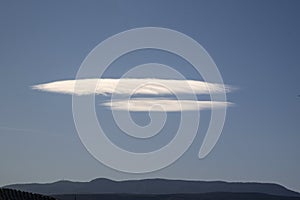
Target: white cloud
x,y
142,104
153,89
130,86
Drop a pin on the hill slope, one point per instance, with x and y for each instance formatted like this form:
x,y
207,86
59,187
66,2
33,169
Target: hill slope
x,y
9,194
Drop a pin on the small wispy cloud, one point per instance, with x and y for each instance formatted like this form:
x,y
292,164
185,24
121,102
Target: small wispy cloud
x,y
155,88
4,129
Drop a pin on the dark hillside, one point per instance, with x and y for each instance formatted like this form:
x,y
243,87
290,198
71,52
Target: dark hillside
x,y
10,194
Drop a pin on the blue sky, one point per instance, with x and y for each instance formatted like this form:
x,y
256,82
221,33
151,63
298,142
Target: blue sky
x,y
255,45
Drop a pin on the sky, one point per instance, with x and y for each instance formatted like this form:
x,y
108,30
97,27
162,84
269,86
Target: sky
x,y
255,45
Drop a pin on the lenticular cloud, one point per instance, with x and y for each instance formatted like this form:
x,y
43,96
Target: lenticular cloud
x,y
141,105
152,88
129,86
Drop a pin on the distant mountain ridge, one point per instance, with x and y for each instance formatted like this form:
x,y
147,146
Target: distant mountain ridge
x,y
152,186
205,196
